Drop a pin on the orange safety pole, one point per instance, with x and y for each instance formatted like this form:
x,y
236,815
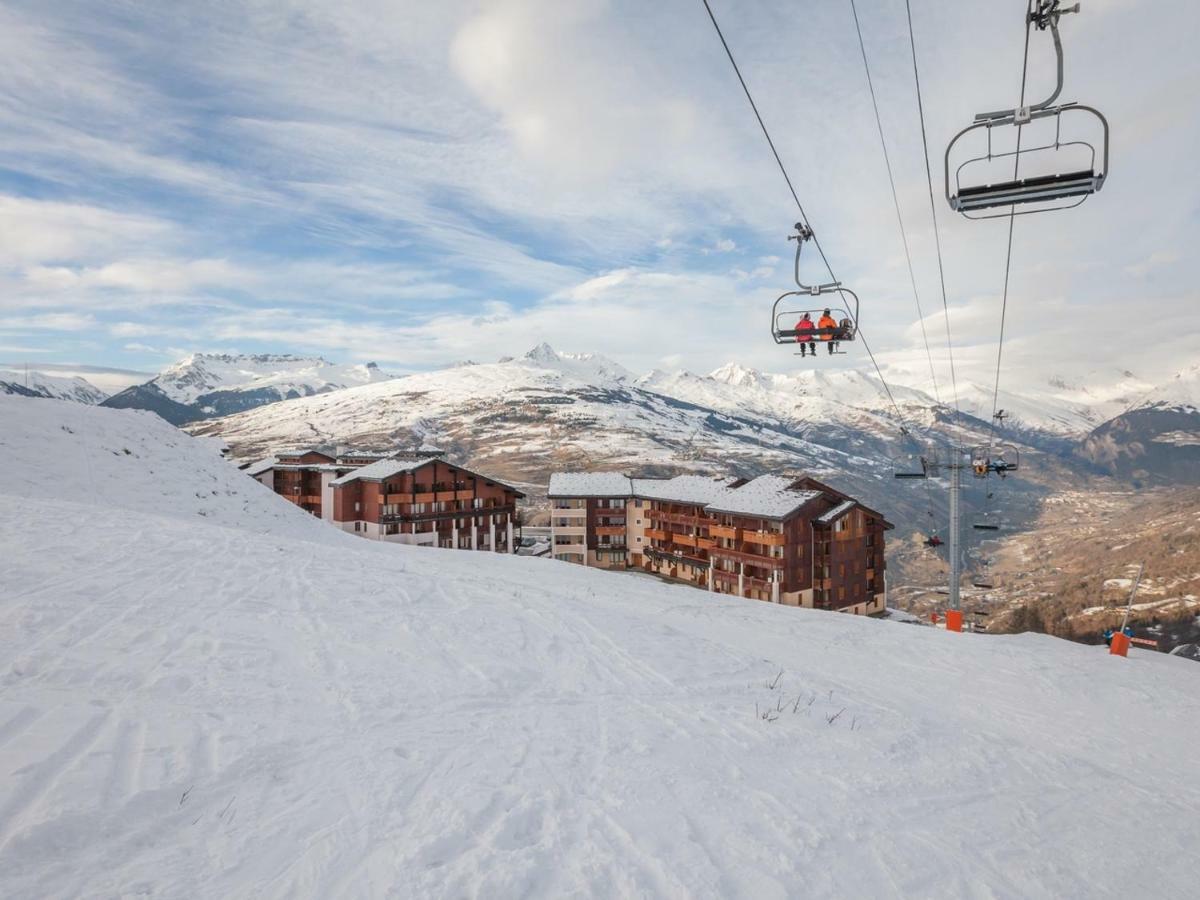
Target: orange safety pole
x,y
954,620
1119,645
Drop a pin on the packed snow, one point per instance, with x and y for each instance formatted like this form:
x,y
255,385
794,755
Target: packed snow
x,y
204,692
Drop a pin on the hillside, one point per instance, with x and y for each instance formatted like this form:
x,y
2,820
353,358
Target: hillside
x,y
208,693
204,385
38,384
1070,574
1155,440
520,419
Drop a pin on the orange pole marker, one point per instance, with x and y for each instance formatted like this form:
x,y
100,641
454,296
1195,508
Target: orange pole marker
x,y
954,620
1119,645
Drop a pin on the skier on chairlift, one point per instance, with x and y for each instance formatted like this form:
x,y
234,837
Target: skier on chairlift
x,y
828,325
804,335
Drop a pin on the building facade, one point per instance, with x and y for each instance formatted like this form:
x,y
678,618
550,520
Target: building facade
x,y
794,541
403,497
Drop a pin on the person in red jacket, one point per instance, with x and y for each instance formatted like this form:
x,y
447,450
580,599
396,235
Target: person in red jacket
x,y
804,335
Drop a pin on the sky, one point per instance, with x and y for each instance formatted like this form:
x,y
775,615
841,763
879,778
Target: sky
x,y
417,184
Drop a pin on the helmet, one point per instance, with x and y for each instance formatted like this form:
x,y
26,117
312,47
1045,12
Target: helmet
x,y
825,313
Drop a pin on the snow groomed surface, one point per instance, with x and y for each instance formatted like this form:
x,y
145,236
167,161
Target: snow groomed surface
x,y
206,693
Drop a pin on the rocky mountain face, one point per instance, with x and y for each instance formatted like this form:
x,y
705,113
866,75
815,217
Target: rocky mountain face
x,y
37,384
1156,440
206,385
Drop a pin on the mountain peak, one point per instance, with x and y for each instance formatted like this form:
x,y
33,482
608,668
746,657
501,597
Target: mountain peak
x,y
737,375
544,353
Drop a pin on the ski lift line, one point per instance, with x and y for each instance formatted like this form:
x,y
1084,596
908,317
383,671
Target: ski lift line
x,y
895,201
763,125
937,239
1012,219
800,206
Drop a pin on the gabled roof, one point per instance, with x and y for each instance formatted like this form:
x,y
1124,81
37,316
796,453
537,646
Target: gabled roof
x,y
262,465
837,512
700,490
768,497
589,484
383,469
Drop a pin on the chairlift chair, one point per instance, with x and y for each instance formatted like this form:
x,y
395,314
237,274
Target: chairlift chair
x,y
911,466
986,522
1039,193
787,313
998,459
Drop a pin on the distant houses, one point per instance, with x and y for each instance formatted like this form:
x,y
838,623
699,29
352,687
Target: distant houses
x,y
793,541
405,496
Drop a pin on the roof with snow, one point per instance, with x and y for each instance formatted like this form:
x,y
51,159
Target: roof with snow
x,y
589,484
698,489
837,512
768,496
263,465
384,468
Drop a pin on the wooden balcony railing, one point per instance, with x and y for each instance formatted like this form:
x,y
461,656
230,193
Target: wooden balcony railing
x,y
765,538
610,529
725,531
755,559
662,515
657,534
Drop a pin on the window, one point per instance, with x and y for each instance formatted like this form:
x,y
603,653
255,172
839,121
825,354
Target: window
x,y
357,506
358,526
639,540
639,521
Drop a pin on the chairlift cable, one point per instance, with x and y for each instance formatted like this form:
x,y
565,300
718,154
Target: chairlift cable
x,y
800,206
1012,219
896,201
937,239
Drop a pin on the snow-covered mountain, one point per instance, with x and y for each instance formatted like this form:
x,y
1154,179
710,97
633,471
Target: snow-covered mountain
x,y
208,693
522,418
1157,438
55,387
205,385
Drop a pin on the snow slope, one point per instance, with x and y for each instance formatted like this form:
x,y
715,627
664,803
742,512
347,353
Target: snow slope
x,y
206,693
57,387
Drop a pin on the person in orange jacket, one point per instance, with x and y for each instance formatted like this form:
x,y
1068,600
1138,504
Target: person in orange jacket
x,y
828,322
804,335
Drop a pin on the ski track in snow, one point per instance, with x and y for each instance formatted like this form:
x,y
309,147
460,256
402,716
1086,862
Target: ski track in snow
x,y
249,703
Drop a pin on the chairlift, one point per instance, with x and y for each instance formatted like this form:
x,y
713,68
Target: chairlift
x,y
911,466
787,314
986,522
1086,164
999,459
1000,415
933,541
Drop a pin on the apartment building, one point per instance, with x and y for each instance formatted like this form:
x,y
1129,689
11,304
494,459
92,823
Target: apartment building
x,y
789,540
407,497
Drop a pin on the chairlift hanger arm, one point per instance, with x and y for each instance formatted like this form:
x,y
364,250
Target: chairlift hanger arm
x,y
804,233
1044,14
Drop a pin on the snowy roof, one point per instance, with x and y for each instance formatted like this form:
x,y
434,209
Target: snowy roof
x,y
385,468
837,512
767,496
699,489
589,484
263,465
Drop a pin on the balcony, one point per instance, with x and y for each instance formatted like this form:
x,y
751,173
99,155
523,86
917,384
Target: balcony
x,y
725,531
703,543
684,540
765,538
753,559
657,534
481,513
661,515
610,529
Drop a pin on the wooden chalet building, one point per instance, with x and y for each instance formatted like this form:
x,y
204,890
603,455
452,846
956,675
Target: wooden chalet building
x,y
408,497
794,541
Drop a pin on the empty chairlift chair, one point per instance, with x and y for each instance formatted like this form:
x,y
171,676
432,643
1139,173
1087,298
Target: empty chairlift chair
x,y
789,308
1083,157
